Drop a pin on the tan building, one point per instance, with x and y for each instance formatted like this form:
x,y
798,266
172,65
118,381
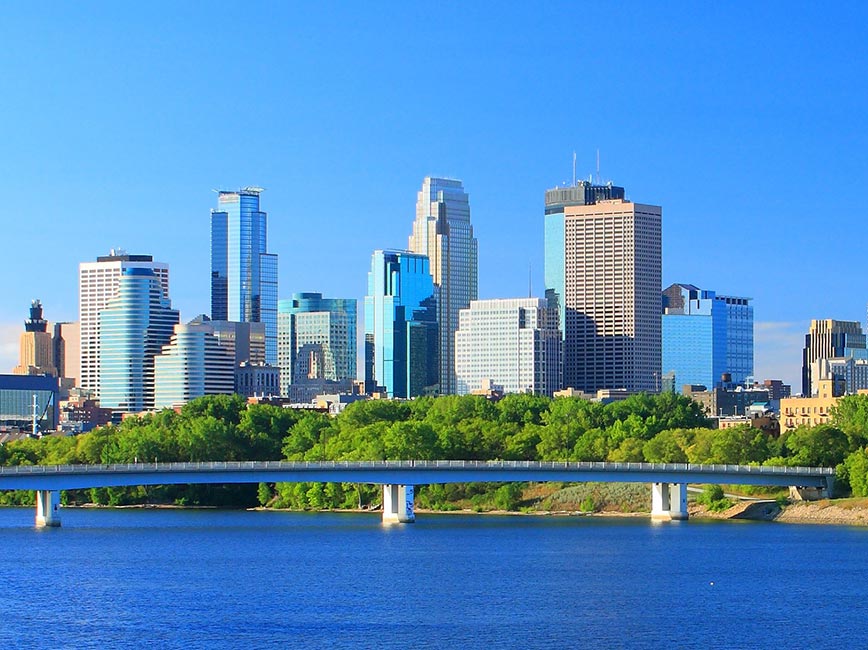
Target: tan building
x,y
830,339
67,351
603,268
36,356
811,411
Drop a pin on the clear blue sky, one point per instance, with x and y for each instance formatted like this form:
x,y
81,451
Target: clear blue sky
x,y
745,121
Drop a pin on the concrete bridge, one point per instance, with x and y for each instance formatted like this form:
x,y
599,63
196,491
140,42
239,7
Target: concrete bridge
x,y
668,480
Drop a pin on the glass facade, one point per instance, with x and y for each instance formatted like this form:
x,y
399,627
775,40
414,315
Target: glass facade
x,y
401,342
316,339
243,274
133,328
443,232
705,336
17,393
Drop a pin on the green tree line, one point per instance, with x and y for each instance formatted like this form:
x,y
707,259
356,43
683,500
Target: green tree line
x,y
642,428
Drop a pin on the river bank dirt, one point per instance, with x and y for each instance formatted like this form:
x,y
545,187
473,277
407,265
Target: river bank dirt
x,y
852,512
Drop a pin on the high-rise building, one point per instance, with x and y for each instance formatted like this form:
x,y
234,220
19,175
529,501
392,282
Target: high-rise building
x,y
133,328
316,340
193,364
442,231
401,324
243,274
36,355
830,339
706,335
98,283
513,343
67,351
603,272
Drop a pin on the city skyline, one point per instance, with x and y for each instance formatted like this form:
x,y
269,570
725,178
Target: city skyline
x,y
710,118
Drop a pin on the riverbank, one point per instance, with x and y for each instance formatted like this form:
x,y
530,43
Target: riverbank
x,y
850,512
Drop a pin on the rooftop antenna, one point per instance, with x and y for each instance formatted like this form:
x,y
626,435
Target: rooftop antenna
x,y
574,168
598,167
530,275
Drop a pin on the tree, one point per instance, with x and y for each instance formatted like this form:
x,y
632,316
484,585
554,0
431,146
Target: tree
x,y
856,465
664,448
820,446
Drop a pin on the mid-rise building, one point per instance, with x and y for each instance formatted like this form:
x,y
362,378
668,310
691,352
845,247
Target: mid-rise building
x,y
401,341
36,356
243,273
811,411
729,400
831,339
316,340
850,374
706,335
514,344
442,231
98,283
28,402
192,365
67,352
603,273
133,328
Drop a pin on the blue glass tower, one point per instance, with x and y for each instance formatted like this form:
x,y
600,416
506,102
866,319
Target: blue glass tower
x,y
316,339
706,335
243,274
137,322
401,337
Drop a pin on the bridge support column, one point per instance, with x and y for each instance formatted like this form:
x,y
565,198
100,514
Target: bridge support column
x,y
398,504
47,508
668,501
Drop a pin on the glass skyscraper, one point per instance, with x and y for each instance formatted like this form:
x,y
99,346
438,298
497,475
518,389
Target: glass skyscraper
x,y
243,274
133,328
442,231
316,339
401,324
706,335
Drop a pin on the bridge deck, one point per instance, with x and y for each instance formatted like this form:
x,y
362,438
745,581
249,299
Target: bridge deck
x,y
409,472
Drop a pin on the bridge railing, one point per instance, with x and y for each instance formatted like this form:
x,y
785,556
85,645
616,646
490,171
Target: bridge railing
x,y
207,466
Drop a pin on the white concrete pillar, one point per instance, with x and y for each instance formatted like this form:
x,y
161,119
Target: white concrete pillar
x,y
668,501
47,508
398,504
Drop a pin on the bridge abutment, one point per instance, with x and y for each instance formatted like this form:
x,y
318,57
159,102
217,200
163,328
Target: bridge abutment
x,y
398,504
668,501
47,508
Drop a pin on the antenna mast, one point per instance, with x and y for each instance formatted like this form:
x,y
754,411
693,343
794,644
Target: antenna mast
x,y
598,167
530,274
574,169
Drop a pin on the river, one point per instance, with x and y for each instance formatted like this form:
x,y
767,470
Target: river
x,y
233,579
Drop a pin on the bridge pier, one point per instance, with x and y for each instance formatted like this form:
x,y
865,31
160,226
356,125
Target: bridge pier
x,y
398,504
47,508
668,501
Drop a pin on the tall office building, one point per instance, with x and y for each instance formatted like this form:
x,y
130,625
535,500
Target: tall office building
x,y
316,340
401,324
706,335
442,231
830,339
98,283
133,328
67,351
243,274
603,273
36,356
193,364
512,343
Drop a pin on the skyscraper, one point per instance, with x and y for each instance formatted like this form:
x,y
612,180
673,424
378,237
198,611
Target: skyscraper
x,y
316,340
515,343
442,231
831,339
401,324
193,364
706,335
98,283
36,355
133,328
243,274
603,272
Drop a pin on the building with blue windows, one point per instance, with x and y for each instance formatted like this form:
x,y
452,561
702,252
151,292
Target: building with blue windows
x,y
25,398
133,328
316,343
401,335
706,335
243,274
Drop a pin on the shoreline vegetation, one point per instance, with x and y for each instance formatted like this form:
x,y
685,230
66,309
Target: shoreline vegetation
x,y
663,428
